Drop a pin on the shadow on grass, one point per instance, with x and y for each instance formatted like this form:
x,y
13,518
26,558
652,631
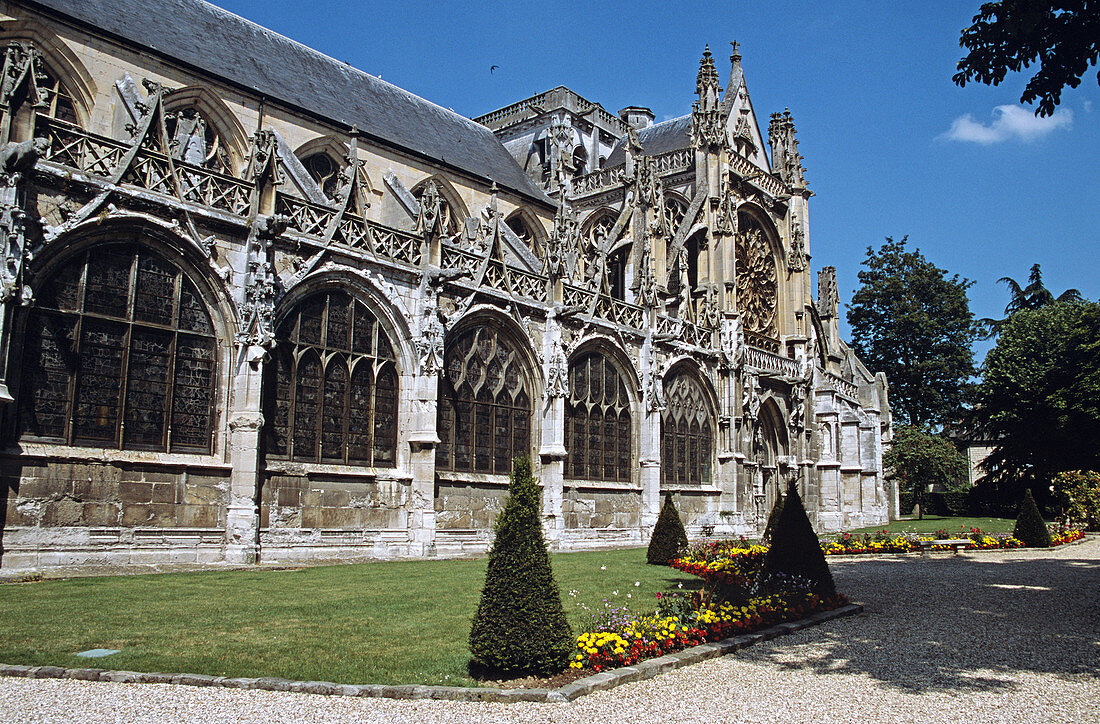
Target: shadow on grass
x,y
957,625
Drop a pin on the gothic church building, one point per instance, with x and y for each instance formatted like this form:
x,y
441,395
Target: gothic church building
x,y
259,305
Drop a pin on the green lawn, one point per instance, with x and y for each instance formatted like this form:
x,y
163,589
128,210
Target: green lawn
x,y
401,622
932,523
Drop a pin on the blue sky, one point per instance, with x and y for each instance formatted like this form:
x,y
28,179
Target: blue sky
x,y
891,145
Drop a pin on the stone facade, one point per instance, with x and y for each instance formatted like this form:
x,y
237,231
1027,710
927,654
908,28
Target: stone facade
x,y
247,317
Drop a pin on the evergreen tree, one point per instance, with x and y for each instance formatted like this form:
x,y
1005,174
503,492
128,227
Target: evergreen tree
x,y
795,549
773,521
669,538
1030,527
520,625
913,322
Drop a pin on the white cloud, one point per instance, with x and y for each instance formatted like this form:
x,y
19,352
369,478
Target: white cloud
x,y
1009,122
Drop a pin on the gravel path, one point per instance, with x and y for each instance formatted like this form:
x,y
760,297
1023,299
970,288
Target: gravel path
x,y
982,637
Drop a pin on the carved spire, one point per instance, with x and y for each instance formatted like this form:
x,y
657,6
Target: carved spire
x,y
786,161
707,80
706,129
828,296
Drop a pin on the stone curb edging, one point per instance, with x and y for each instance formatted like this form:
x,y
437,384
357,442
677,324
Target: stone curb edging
x,y
597,682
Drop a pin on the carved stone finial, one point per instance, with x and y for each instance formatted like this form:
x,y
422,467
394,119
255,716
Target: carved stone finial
x,y
735,57
828,297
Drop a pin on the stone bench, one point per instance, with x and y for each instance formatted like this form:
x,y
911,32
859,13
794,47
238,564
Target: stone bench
x,y
954,543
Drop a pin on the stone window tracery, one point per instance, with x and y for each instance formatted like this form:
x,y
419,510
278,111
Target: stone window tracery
x,y
448,218
757,287
520,228
195,139
120,352
484,412
675,210
325,171
598,433
59,103
333,393
686,433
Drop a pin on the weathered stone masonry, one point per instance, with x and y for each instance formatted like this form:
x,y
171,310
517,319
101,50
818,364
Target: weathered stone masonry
x,y
247,316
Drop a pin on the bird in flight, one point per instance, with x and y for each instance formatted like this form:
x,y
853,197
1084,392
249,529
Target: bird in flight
x,y
493,68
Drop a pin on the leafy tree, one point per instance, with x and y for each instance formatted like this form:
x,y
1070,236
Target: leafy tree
x,y
1039,399
1030,527
1080,492
913,322
920,459
795,548
1033,296
520,625
669,538
1064,37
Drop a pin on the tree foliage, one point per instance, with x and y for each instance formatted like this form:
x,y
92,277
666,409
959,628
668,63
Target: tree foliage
x,y
1079,491
1063,37
1039,399
1033,296
913,322
669,538
520,625
1030,526
918,459
795,548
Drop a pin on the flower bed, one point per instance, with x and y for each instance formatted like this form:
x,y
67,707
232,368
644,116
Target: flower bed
x,y
885,542
655,635
730,604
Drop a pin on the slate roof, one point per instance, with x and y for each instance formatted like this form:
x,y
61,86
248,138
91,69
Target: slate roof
x,y
226,45
659,138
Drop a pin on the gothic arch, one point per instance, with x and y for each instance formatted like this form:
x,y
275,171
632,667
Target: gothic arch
x,y
459,212
127,345
59,59
537,241
161,238
688,428
759,272
216,112
600,415
366,291
607,346
488,393
334,385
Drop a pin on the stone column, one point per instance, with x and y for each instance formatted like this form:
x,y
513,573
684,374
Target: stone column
x,y
245,426
423,438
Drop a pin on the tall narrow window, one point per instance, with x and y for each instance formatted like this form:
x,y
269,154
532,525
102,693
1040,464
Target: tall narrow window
x,y
332,396
598,434
484,405
120,352
687,442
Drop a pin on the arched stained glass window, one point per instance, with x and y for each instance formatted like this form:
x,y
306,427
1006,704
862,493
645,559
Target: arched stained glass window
x,y
598,435
687,440
333,396
120,352
484,414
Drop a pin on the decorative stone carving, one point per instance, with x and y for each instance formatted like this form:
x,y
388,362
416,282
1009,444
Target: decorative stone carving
x,y
732,340
706,124
797,260
557,362
261,288
652,385
785,156
433,210
799,392
708,308
756,282
431,329
16,161
827,295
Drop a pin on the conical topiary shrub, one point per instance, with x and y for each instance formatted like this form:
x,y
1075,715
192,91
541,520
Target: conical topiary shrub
x,y
520,625
795,549
1030,527
669,538
773,520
